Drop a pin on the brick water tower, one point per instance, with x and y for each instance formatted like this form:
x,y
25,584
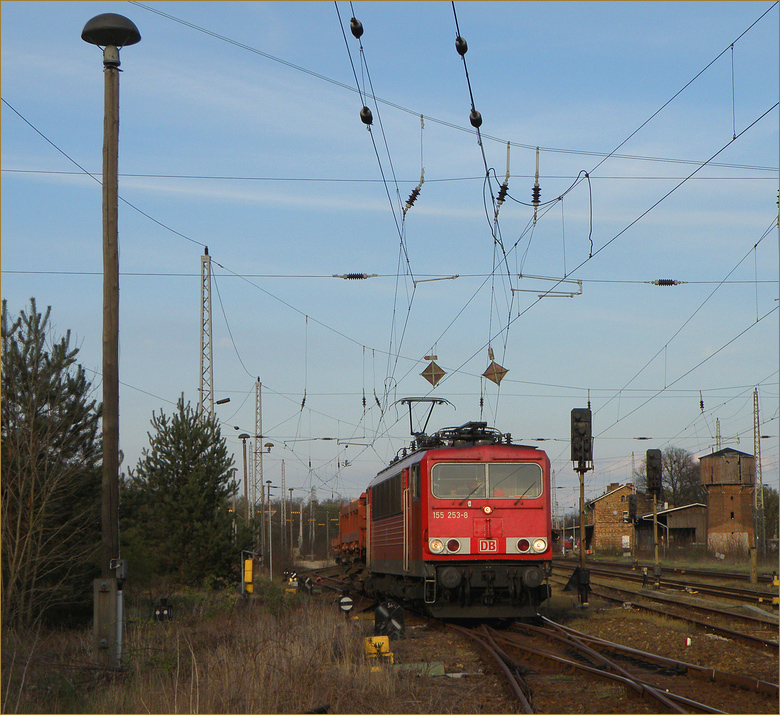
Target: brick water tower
x,y
729,476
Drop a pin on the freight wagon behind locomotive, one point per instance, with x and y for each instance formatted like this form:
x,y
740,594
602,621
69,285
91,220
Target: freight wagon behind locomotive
x,y
460,525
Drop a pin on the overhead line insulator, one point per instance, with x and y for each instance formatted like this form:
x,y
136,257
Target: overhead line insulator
x,y
355,276
666,282
412,197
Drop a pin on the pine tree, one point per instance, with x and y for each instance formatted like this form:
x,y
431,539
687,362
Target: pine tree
x,y
51,474
175,507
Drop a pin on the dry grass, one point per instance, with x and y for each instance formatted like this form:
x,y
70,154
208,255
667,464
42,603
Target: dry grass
x,y
219,655
580,620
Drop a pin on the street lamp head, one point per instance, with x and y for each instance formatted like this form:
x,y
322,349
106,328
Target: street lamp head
x,y
268,446
243,435
110,31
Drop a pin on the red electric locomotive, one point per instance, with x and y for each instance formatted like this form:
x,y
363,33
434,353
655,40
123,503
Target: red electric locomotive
x,y
461,525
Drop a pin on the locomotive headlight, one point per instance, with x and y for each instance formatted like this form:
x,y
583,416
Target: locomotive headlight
x,y
436,546
453,546
523,545
540,545
487,509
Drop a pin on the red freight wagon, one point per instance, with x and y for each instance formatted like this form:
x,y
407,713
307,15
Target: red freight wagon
x,y
462,525
350,544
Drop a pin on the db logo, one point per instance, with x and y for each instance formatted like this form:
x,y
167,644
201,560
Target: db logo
x,y
488,545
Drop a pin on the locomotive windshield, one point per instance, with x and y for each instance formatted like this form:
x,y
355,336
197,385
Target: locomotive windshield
x,y
492,480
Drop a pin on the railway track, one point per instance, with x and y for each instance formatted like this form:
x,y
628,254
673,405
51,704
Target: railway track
x,y
711,617
680,611
628,573
509,667
532,656
552,668
679,570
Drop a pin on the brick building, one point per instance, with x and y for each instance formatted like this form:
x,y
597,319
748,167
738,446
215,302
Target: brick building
x,y
728,475
608,515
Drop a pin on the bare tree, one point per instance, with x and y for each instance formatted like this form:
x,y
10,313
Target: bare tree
x,y
681,477
50,473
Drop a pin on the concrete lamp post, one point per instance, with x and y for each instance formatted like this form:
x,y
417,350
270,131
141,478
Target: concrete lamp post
x,y
110,32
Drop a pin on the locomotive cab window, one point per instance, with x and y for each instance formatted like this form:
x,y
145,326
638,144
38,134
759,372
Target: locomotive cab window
x,y
514,481
458,480
493,480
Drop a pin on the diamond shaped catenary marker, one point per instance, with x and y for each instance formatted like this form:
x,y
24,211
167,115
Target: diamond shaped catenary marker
x,y
495,372
433,373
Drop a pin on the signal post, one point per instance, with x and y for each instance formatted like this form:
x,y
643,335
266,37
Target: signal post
x,y
654,471
582,457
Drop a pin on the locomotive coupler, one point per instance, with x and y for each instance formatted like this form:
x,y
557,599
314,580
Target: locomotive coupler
x,y
489,598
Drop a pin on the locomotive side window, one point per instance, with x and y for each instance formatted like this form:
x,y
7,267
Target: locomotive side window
x,y
458,480
514,481
386,497
493,480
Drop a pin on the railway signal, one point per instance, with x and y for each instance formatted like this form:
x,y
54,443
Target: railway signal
x,y
581,436
582,456
654,470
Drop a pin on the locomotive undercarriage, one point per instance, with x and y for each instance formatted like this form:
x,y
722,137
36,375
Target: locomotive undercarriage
x,y
500,590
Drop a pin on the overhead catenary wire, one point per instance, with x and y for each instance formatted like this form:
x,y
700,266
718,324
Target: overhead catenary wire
x,y
424,277
475,119
621,232
564,272
430,118
357,31
367,180
270,294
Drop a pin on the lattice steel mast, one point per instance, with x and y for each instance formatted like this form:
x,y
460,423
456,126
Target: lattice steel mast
x,y
258,452
206,391
758,514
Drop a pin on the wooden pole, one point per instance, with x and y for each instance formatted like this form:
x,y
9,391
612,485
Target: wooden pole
x,y
110,483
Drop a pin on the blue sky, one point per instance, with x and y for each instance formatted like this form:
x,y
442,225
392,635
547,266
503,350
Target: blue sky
x,y
240,131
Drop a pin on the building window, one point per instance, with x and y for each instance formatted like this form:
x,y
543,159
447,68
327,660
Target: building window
x,y
732,514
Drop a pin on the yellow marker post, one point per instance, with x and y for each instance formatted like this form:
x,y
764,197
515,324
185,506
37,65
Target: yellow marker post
x,y
248,577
